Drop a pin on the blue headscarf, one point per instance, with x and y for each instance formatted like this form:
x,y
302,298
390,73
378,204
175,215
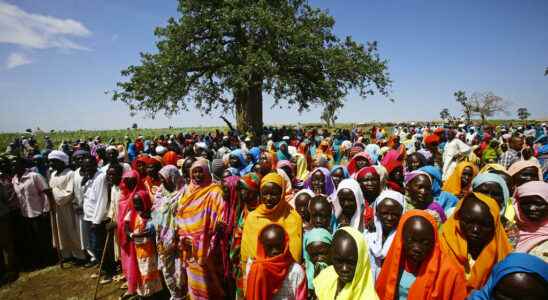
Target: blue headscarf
x,y
492,177
283,155
132,152
314,235
344,169
373,150
513,263
243,163
443,198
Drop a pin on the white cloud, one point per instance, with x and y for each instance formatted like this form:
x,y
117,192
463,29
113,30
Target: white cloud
x,y
38,31
17,59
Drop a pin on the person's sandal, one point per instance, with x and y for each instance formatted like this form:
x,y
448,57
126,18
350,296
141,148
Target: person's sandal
x,y
126,296
118,278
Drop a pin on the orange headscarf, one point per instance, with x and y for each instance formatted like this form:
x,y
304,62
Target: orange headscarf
x,y
452,185
171,158
268,273
439,276
454,243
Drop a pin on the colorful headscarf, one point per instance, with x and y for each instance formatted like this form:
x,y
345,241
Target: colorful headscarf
x,y
452,185
352,168
315,235
171,158
522,164
531,234
354,186
329,185
363,283
343,168
302,167
491,177
373,150
438,277
513,263
454,243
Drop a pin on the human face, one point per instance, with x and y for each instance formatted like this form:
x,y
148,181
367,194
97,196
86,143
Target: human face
x,y
370,185
272,239
418,239
413,163
520,286
271,194
168,184
397,175
153,169
389,213
77,161
89,165
319,252
420,191
112,155
534,208
526,175
249,197
57,165
320,214
361,162
301,205
337,176
266,164
516,143
283,148
318,182
114,176
187,165
344,254
141,168
347,200
493,190
466,177
198,174
234,161
476,223
138,203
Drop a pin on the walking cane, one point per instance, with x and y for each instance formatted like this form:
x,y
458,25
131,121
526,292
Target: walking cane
x,y
101,265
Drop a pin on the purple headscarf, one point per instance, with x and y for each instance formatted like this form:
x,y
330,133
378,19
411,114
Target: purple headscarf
x,y
329,185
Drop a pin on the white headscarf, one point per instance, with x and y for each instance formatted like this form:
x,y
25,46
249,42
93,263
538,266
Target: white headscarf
x,y
59,155
374,239
297,194
354,186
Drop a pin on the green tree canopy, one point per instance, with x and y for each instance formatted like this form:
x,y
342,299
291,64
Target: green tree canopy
x,y
223,54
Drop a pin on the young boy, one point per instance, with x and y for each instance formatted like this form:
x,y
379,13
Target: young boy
x,y
274,274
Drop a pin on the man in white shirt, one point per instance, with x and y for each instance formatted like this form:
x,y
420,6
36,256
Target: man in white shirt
x,y
453,150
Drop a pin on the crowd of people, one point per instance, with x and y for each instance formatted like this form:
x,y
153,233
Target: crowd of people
x,y
415,211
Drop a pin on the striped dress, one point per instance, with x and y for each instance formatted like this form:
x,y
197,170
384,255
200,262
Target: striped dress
x,y
200,212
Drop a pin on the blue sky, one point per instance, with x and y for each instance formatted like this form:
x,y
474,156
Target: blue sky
x,y
58,57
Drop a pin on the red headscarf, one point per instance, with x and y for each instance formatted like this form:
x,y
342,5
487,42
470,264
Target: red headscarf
x,y
171,158
432,139
368,212
438,276
268,273
126,203
352,168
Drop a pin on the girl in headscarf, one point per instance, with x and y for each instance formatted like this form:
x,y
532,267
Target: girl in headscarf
x,y
509,276
373,150
395,179
316,253
524,171
131,183
141,231
338,173
445,199
272,210
358,162
302,166
283,153
248,196
199,217
475,237
418,193
370,184
324,150
531,204
236,160
459,183
416,267
320,182
163,212
349,204
230,218
388,208
274,274
350,252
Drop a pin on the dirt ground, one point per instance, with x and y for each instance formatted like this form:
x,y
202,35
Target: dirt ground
x,y
55,283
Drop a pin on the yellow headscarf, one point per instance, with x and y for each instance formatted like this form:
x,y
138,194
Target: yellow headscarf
x,y
363,284
282,214
302,167
452,185
454,243
489,167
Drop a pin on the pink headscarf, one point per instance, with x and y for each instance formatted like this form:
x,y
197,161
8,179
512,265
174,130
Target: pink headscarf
x,y
352,169
522,164
530,233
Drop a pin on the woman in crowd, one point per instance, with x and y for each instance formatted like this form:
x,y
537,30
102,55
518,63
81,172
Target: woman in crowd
x,y
418,193
524,171
199,220
475,238
531,206
320,182
316,243
388,208
370,184
338,173
350,276
459,183
349,204
359,161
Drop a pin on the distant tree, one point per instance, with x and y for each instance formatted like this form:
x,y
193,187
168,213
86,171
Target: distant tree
x,y
444,114
523,113
487,104
134,126
329,114
226,54
467,107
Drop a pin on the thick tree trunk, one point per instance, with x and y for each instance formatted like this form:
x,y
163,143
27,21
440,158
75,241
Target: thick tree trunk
x,y
249,110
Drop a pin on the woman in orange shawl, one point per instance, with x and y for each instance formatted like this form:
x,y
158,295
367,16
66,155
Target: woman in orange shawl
x,y
460,181
437,275
272,210
475,237
199,221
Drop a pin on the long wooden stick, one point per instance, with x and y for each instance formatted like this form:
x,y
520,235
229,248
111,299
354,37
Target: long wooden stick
x,y
101,265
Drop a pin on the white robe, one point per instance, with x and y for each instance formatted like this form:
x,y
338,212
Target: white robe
x,y
451,149
78,203
64,224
